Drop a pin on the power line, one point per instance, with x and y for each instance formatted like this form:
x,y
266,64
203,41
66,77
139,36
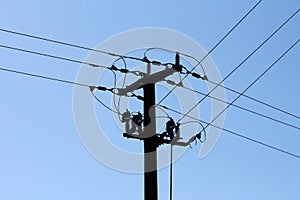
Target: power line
x,y
239,65
52,56
244,108
124,70
85,85
258,78
68,44
62,81
214,47
257,100
112,68
43,77
237,134
122,57
67,59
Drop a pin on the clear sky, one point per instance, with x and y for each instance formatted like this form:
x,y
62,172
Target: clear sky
x,y
41,154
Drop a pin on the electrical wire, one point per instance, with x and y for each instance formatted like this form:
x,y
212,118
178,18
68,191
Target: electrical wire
x,y
214,47
170,51
57,80
123,85
203,129
257,100
247,96
117,107
244,60
167,115
244,108
258,78
259,113
110,109
237,134
117,55
52,56
43,77
70,82
69,44
198,92
163,117
175,111
122,57
114,96
157,48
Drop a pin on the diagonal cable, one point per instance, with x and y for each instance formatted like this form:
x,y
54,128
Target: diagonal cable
x,y
258,101
214,47
237,134
258,78
244,108
239,65
201,121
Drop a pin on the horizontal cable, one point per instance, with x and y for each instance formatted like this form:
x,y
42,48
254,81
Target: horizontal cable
x,y
42,77
69,44
52,56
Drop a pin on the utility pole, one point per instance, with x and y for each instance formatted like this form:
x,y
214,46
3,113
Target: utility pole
x,y
147,133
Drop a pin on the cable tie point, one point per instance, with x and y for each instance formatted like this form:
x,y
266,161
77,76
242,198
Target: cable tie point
x,y
114,68
145,59
92,88
102,88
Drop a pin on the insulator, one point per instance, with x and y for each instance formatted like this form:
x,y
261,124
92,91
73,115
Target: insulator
x,y
124,70
126,116
196,75
138,119
177,59
177,66
171,82
102,88
114,68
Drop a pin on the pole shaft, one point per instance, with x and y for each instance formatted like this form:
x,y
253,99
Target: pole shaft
x,y
150,146
171,173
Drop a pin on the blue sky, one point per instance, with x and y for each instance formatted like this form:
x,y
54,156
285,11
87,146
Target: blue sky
x,y
41,154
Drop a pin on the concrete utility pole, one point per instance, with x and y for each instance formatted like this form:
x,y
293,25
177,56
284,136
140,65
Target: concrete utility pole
x,y
148,134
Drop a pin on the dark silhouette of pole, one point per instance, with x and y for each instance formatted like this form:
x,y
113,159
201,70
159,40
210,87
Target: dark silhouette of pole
x,y
171,173
150,144
149,136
